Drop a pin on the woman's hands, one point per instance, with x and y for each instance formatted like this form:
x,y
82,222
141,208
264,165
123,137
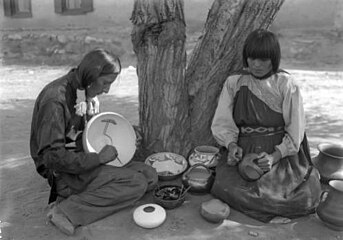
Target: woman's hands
x,y
266,161
235,154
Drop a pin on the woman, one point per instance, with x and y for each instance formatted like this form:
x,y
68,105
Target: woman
x,y
260,117
86,188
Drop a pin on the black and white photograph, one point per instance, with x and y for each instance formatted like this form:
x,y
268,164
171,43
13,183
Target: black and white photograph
x,y
171,119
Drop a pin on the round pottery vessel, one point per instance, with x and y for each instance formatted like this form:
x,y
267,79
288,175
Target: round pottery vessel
x,y
329,161
113,129
330,208
248,169
199,178
169,196
149,215
214,210
169,166
207,155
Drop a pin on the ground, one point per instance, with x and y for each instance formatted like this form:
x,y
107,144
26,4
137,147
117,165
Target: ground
x,y
309,56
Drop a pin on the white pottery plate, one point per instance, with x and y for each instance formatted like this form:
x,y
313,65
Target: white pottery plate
x,y
167,164
113,129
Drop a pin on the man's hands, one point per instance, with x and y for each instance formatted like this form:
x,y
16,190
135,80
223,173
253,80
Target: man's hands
x,y
107,154
235,154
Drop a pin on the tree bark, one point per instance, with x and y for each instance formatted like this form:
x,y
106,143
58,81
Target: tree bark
x,y
176,106
158,38
218,54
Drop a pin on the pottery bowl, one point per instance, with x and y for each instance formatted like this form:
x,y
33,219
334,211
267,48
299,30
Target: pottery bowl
x,y
329,161
199,178
169,196
204,154
330,208
214,210
113,129
248,168
168,165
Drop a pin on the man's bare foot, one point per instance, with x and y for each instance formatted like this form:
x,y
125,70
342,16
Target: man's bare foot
x,y
57,217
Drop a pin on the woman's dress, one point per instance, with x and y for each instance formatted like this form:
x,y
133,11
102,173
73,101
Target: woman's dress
x,y
271,114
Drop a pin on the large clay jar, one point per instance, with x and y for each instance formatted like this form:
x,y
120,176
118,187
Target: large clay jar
x,y
330,209
329,161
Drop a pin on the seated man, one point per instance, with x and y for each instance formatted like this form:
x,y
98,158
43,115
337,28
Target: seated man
x,y
85,187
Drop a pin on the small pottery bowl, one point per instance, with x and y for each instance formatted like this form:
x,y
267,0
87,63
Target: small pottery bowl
x,y
215,210
207,155
168,165
329,161
248,168
169,196
199,178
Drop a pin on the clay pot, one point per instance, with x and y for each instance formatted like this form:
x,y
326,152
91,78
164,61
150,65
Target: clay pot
x,y
329,161
248,168
214,210
169,196
168,165
330,208
199,178
207,155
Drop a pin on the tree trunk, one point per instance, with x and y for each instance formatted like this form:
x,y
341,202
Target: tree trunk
x,y
176,106
338,20
158,38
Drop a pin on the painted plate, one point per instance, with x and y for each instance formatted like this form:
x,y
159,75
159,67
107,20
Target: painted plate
x,y
113,129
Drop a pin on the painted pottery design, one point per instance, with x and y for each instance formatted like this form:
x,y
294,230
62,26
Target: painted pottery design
x,y
168,165
329,161
330,209
113,129
207,155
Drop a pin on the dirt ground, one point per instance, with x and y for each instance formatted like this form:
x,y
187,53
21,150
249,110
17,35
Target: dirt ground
x,y
315,59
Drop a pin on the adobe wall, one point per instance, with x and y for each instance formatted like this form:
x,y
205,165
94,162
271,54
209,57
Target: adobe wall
x,y
52,39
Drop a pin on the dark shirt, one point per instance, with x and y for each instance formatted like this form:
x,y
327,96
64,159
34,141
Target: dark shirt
x,y
52,119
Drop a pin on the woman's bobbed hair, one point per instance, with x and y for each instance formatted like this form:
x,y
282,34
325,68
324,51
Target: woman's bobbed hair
x,y
96,63
262,44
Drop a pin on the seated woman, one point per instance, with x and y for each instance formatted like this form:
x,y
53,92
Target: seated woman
x,y
84,188
260,117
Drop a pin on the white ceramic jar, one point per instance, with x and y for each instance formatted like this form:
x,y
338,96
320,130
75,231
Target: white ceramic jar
x,y
149,215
